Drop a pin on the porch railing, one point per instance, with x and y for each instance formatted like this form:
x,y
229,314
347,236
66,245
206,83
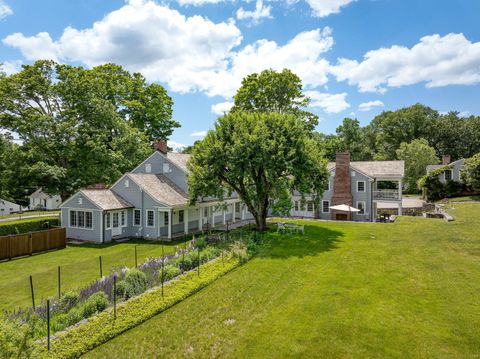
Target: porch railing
x,y
386,195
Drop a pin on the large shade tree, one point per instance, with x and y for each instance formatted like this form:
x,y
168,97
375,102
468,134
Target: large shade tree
x,y
417,156
471,172
82,126
261,157
272,91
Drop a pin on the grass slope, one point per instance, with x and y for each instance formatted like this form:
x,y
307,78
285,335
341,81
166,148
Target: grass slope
x,y
79,266
350,290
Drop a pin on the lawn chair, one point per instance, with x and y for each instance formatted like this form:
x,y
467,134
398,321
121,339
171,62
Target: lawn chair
x,y
281,227
301,229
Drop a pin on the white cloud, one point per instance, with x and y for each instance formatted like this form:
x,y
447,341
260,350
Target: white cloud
x,y
11,67
221,108
176,146
256,15
198,2
437,61
198,134
367,106
187,53
5,10
322,8
330,103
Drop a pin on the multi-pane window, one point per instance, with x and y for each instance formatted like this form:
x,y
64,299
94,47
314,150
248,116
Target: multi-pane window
x,y
165,218
123,216
361,186
150,218
181,214
325,206
148,167
361,207
127,183
108,223
309,206
166,168
81,219
296,206
115,219
448,175
137,217
328,186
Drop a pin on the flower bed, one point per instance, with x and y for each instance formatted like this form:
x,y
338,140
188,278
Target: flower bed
x,y
102,327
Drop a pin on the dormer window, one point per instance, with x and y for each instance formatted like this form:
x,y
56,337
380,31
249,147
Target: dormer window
x,y
148,168
166,168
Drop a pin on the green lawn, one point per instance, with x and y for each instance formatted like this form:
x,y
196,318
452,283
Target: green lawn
x,y
29,213
79,266
344,290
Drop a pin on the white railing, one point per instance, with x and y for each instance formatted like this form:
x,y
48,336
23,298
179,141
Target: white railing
x,y
386,195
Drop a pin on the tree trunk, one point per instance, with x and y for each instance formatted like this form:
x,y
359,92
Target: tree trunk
x,y
261,222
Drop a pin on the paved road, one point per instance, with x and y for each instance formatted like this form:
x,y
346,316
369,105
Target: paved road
x,y
8,219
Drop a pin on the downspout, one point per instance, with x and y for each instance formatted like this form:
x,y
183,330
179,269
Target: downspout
x,y
102,226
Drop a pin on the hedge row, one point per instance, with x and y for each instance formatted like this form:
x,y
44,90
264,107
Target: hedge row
x,y
27,225
101,328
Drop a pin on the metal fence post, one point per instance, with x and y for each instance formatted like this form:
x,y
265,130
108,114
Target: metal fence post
x,y
101,271
59,283
136,258
48,324
198,267
31,290
115,297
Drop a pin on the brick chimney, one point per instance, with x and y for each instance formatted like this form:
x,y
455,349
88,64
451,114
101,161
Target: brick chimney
x,y
342,190
446,159
161,146
97,186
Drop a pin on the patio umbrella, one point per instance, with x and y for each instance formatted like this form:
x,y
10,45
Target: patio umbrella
x,y
344,208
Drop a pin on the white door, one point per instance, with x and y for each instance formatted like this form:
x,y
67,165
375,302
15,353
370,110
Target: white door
x,y
116,228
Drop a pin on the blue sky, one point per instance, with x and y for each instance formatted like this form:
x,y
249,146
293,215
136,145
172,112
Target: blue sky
x,y
356,58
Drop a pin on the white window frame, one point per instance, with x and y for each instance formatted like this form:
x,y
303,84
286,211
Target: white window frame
x,y
126,183
328,186
445,175
166,167
134,217
364,208
108,221
166,215
183,216
310,203
364,186
148,167
147,212
123,219
76,210
296,206
323,206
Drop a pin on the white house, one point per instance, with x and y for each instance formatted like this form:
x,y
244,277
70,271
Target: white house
x,y
7,207
43,200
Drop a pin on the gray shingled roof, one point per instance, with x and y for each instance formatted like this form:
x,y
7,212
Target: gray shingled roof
x,y
105,199
179,159
376,169
160,188
40,194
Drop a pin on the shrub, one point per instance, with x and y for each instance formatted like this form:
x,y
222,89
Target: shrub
x,y
16,340
100,329
96,303
189,262
169,272
200,243
74,316
68,301
121,289
135,283
26,225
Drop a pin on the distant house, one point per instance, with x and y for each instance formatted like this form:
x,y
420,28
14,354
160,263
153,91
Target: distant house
x,y
452,170
40,200
151,201
7,207
359,184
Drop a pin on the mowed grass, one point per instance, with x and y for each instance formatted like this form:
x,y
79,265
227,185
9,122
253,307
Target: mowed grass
x,y
30,213
344,290
79,264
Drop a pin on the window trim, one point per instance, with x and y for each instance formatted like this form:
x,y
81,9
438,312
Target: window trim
x,y
166,215
183,216
147,212
323,206
310,203
166,167
148,168
445,175
123,218
328,186
296,206
135,210
364,208
70,210
108,220
364,187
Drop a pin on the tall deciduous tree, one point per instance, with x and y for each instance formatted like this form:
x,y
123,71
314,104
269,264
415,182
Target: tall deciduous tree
x,y
417,156
471,172
82,126
272,91
261,157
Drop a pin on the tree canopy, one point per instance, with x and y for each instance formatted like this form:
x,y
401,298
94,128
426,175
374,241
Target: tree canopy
x,y
471,172
260,156
272,91
417,156
81,126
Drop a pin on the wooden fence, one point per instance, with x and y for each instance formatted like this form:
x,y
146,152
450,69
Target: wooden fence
x,y
28,243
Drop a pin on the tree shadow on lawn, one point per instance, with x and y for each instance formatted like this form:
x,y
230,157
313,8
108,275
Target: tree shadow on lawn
x,y
315,240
